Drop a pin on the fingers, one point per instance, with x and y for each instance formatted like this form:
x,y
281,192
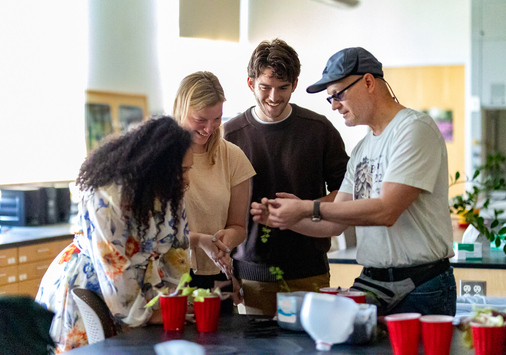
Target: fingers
x,y
275,203
221,256
221,246
237,295
217,239
225,265
258,208
286,195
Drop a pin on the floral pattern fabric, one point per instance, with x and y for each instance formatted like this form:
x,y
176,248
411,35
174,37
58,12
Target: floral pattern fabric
x,y
108,257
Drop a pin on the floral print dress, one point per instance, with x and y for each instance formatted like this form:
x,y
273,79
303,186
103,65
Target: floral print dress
x,y
108,257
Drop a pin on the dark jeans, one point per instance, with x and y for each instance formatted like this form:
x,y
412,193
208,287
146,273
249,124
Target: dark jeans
x,y
436,296
207,281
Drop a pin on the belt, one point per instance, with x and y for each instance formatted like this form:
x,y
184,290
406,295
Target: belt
x,y
418,274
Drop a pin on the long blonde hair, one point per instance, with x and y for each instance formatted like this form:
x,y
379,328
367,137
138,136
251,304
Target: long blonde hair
x,y
197,91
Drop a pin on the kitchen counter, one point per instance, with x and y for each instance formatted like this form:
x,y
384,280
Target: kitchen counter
x,y
495,259
343,265
11,237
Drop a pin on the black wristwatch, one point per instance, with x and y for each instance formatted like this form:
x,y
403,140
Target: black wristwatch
x,y
316,212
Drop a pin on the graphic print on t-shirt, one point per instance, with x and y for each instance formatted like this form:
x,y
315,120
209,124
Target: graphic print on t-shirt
x,y
368,177
363,180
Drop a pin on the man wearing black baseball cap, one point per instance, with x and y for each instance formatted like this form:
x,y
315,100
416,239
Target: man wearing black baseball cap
x,y
395,193
349,61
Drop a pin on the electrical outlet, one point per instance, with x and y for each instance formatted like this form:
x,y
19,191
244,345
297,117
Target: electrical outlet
x,y
473,288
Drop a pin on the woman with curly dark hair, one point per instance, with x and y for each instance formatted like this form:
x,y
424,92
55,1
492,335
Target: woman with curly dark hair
x,y
133,234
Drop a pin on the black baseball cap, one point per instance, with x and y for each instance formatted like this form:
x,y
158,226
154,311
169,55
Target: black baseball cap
x,y
346,62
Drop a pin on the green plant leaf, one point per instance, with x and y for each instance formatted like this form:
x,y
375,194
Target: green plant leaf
x,y
154,299
200,293
185,278
494,224
502,231
187,291
266,234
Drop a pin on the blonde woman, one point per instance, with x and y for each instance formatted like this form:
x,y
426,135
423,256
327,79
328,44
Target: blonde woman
x,y
217,203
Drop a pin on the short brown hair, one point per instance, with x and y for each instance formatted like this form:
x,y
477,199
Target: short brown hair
x,y
279,56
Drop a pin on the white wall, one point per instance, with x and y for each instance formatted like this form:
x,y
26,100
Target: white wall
x,y
397,32
43,64
43,61
123,52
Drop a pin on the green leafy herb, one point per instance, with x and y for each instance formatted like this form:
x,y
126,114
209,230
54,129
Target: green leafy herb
x,y
151,303
267,233
484,316
200,293
182,289
283,286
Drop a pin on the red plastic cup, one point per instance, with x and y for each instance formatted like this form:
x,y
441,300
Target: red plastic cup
x,y
437,332
207,314
332,290
173,311
404,332
357,296
489,340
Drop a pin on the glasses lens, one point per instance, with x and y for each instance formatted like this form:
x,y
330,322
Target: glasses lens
x,y
338,96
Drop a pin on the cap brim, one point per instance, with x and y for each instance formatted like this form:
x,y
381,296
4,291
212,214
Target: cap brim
x,y
322,84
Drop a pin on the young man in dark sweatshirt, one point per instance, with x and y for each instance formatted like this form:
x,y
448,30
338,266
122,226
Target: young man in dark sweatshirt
x,y
296,153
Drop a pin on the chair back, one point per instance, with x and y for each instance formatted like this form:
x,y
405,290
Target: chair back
x,y
96,315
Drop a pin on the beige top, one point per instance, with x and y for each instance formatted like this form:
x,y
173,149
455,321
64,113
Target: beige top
x,y
207,201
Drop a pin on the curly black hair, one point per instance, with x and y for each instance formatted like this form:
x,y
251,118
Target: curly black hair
x,y
147,163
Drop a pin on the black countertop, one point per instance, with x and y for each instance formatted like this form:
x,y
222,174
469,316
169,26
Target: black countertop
x,y
240,334
11,237
20,236
493,259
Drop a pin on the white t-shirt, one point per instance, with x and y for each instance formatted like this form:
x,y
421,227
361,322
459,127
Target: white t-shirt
x,y
410,151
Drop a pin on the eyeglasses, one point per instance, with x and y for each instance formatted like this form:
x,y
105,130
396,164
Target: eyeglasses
x,y
338,96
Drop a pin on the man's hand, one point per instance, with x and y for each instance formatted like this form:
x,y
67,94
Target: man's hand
x,y
286,195
285,212
260,211
282,218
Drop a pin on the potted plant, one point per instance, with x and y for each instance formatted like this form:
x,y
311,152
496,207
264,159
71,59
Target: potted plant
x,y
206,305
174,306
486,179
485,331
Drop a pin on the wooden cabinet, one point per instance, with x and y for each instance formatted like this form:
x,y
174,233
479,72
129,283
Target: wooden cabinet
x,y
8,257
22,268
42,251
